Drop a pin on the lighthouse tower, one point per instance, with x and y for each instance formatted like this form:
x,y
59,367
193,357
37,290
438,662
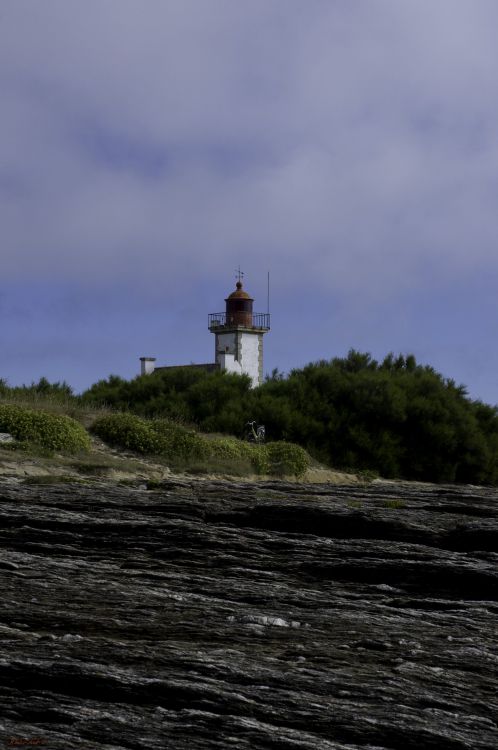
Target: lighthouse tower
x,y
239,335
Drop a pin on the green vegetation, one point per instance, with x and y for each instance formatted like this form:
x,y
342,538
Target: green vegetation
x,y
157,437
55,398
356,504
52,432
215,402
101,465
129,432
395,417
394,504
197,452
286,458
43,389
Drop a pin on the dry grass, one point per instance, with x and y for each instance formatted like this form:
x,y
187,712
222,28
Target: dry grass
x,y
234,467
68,406
99,464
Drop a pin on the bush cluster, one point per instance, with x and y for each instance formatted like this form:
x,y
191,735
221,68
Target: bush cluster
x,y
179,443
230,449
129,432
175,443
215,402
286,459
150,437
279,459
394,416
51,431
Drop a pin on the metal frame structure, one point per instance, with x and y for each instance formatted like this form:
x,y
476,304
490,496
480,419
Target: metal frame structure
x,y
217,321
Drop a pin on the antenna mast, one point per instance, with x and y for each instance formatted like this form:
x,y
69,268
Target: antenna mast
x,y
268,297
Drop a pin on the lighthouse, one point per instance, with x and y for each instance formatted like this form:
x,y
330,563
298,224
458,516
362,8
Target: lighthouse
x,y
239,335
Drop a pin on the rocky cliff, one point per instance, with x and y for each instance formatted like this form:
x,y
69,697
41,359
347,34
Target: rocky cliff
x,y
205,614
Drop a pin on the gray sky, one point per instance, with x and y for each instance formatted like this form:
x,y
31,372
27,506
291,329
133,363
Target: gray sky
x,y
148,147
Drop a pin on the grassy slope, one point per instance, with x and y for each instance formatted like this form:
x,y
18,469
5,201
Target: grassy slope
x,y
102,462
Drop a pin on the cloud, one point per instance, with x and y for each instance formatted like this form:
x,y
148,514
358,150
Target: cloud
x,y
353,135
349,147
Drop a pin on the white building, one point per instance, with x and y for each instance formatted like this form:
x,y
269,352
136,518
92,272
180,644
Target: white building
x,y
238,339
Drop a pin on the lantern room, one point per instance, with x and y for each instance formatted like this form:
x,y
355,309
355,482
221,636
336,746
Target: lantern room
x,y
239,307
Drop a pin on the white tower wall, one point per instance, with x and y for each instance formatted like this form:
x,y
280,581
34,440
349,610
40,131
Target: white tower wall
x,y
249,356
242,352
228,363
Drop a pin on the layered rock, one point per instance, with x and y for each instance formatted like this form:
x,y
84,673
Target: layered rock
x,y
272,615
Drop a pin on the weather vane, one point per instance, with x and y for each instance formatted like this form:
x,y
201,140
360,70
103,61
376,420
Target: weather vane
x,y
240,274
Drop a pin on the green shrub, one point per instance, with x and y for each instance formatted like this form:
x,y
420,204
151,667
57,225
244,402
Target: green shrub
x,y
228,448
130,432
151,437
184,447
287,458
394,504
274,458
54,432
187,446
366,475
179,442
258,455
165,427
355,504
241,453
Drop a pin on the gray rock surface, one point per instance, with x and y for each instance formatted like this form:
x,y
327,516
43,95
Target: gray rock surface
x,y
230,615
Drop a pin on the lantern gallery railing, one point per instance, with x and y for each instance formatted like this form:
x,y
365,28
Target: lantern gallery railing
x,y
260,321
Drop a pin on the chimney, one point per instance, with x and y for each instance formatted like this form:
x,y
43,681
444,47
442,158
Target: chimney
x,y
147,365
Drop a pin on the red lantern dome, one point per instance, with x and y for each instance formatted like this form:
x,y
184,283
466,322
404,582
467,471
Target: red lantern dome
x,y
239,308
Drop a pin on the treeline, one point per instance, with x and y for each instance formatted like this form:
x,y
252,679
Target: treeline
x,y
42,389
395,417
